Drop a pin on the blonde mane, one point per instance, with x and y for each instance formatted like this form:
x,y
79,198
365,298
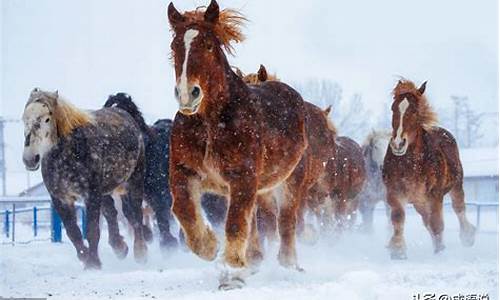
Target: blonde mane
x,y
227,27
68,117
426,115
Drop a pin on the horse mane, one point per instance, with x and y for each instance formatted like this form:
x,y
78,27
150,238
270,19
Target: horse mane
x,y
68,117
426,115
227,28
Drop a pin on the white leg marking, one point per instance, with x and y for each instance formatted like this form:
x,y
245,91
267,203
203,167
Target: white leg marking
x,y
183,84
403,106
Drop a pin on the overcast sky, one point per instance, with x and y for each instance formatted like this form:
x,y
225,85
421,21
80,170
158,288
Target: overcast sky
x,y
90,49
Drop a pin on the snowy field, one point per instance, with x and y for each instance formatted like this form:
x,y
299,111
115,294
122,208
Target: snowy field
x,y
355,267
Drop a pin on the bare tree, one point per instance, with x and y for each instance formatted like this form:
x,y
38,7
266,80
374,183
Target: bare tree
x,y
349,115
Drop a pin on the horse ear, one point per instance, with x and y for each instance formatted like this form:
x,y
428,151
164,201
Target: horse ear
x,y
212,12
56,94
262,73
328,110
174,16
239,73
421,89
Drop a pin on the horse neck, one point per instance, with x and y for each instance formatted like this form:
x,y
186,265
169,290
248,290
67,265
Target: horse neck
x,y
416,150
230,88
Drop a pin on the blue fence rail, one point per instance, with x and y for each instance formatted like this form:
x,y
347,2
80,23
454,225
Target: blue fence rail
x,y
45,204
41,204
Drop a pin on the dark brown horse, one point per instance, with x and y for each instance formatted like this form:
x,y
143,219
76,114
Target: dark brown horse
x,y
228,137
421,166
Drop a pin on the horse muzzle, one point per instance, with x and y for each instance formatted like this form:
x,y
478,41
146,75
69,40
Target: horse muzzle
x,y
189,99
399,146
32,163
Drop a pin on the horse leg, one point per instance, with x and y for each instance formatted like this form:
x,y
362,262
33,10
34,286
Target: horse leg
x,y
254,250
115,240
162,211
289,206
436,222
467,230
186,192
340,212
93,208
306,232
266,216
68,217
239,217
397,244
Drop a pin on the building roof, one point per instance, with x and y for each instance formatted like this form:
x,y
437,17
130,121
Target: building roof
x,y
479,162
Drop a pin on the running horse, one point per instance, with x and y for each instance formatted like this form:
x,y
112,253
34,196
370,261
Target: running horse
x,y
89,155
421,165
233,139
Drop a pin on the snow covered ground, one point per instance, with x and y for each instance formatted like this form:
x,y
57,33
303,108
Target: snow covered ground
x,y
355,267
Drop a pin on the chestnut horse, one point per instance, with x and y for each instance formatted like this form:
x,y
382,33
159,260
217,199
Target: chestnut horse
x,y
228,137
422,165
335,170
344,179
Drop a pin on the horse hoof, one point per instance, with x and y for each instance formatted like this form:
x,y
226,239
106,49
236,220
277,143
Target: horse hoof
x,y
398,255
92,263
231,284
208,247
148,234
121,250
467,236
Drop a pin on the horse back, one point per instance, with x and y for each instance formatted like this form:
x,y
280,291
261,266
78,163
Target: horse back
x,y
97,157
442,149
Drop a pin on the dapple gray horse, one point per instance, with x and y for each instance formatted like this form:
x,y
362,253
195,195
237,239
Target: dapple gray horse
x,y
90,156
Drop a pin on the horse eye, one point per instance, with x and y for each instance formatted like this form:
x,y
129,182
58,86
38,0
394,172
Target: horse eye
x,y
47,121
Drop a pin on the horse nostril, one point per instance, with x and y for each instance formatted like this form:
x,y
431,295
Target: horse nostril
x,y
195,92
37,158
176,92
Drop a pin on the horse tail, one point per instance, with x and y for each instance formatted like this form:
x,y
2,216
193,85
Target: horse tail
x,y
124,101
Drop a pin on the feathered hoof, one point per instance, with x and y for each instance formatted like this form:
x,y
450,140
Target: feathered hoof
x,y
140,252
468,235
207,247
120,249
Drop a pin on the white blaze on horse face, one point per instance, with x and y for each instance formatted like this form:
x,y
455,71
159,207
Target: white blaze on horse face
x,y
183,87
403,106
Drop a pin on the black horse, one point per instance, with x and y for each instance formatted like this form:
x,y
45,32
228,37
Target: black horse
x,y
156,188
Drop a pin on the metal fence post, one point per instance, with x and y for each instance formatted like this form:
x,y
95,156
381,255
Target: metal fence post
x,y
84,222
56,232
35,222
6,225
13,223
